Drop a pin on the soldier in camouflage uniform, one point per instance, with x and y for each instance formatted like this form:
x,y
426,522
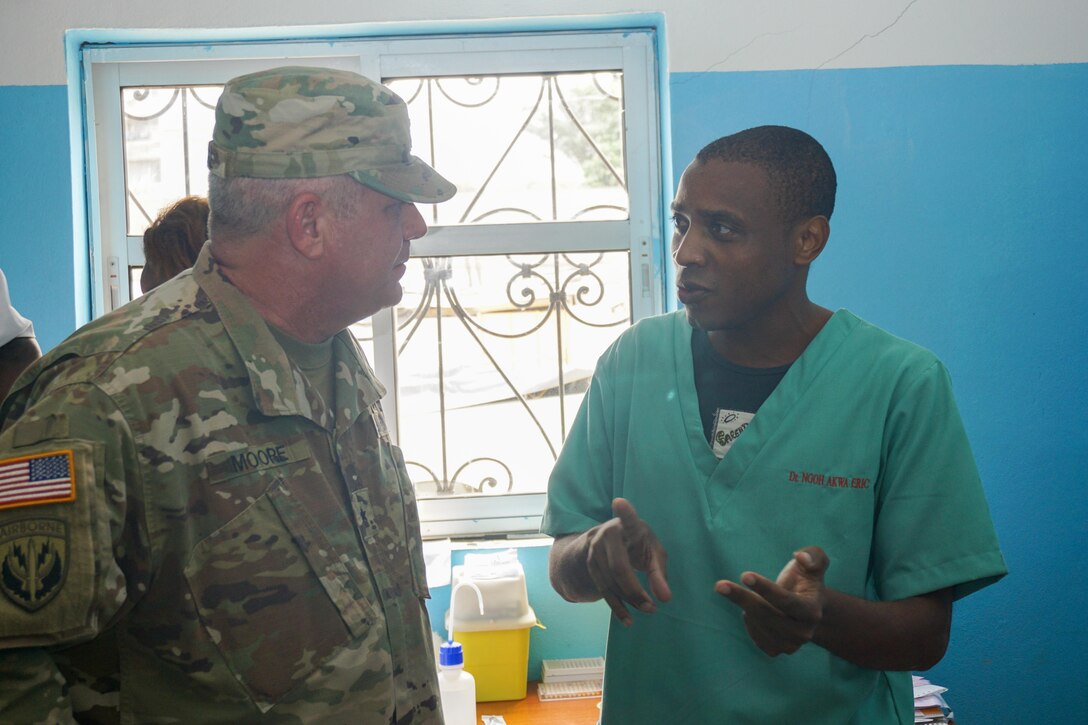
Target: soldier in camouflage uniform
x,y
202,517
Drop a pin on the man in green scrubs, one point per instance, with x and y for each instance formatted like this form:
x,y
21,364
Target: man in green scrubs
x,y
754,433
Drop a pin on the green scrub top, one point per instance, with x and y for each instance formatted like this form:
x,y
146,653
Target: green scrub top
x,y
860,450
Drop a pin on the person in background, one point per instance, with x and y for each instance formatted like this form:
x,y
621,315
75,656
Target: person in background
x,y
778,502
18,346
173,240
213,523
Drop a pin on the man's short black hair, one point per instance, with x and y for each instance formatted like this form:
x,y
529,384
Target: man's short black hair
x,y
798,167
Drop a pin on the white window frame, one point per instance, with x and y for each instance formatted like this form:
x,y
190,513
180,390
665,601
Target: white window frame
x,y
108,68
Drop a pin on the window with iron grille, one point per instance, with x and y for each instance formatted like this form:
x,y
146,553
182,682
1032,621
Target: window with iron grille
x,y
551,247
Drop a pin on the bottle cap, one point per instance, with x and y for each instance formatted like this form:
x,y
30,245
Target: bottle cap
x,y
450,654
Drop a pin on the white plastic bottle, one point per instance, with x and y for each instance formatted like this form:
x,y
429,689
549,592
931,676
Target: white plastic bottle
x,y
456,687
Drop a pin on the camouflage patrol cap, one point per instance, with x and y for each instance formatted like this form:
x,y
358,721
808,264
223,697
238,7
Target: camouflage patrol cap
x,y
301,122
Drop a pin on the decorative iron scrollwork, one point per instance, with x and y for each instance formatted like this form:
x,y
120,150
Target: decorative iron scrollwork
x,y
560,294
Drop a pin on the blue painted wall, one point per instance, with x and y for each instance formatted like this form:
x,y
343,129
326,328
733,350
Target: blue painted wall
x,y
36,206
961,224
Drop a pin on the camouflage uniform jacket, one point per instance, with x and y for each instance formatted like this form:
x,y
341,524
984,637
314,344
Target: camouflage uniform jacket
x,y
212,543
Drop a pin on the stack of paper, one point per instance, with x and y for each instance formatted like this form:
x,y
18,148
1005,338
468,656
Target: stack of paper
x,y
571,679
929,705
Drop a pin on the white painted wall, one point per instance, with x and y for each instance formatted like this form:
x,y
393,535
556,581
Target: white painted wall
x,y
703,35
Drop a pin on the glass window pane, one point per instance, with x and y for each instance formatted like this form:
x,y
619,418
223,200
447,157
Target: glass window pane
x,y
522,148
166,133
494,354
134,274
363,330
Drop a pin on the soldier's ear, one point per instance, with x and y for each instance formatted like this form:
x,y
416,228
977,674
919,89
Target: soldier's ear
x,y
303,227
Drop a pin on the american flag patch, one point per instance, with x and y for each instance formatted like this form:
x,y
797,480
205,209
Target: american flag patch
x,y
37,479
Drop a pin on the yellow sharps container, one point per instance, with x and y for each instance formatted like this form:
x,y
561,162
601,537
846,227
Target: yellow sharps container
x,y
490,616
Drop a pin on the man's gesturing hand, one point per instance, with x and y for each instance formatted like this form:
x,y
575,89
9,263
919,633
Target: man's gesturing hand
x,y
782,615
618,547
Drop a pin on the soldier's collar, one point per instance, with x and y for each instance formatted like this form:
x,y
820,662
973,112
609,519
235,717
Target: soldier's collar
x,y
278,388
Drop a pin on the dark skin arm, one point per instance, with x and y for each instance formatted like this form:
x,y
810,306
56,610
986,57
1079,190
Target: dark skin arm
x,y
601,563
796,608
781,616
14,358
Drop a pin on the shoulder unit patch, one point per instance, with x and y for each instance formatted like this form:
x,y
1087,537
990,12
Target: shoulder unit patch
x,y
33,561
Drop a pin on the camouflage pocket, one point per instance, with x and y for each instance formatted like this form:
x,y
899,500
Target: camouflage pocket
x,y
276,596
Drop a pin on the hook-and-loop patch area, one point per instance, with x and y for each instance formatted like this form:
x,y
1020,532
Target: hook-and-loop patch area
x,y
54,527
34,551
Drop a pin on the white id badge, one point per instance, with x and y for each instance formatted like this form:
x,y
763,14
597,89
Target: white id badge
x,y
728,426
